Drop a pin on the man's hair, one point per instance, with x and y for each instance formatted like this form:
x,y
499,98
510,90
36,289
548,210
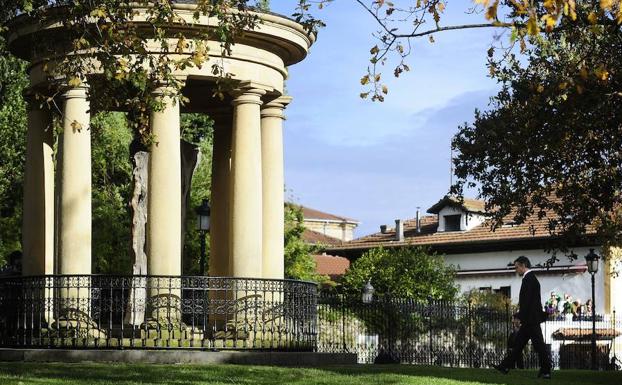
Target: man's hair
x,y
523,261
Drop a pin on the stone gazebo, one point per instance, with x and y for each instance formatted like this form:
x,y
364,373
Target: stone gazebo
x,y
60,302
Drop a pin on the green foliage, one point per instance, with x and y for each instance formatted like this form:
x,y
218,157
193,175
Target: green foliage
x,y
549,147
13,81
487,298
263,5
199,130
406,272
299,261
112,188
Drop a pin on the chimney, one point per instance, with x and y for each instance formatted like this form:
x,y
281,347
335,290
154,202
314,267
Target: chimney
x,y
383,229
418,220
399,230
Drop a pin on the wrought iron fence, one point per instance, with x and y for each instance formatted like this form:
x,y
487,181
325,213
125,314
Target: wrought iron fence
x,y
452,334
91,311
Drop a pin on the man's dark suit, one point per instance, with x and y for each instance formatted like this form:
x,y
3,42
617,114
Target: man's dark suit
x,y
531,316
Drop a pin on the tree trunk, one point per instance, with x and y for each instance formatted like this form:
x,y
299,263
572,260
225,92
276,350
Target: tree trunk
x,y
138,294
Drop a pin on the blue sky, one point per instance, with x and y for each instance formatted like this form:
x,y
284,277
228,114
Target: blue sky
x,y
376,162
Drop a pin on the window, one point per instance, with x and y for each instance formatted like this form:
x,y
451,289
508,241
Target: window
x,y
452,222
505,290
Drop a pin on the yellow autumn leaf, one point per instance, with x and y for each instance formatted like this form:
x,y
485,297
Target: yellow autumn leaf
x,y
570,9
74,81
592,18
602,73
606,4
365,80
385,89
532,26
540,88
549,22
491,12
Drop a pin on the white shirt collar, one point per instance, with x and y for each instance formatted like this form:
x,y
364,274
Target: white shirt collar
x,y
527,272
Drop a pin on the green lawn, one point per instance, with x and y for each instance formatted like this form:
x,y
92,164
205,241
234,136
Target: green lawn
x,y
118,374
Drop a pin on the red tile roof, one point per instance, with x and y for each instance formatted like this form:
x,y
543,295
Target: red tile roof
x,y
331,265
470,205
309,213
533,228
316,238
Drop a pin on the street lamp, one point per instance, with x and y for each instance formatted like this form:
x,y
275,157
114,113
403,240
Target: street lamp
x,y
368,293
203,216
591,260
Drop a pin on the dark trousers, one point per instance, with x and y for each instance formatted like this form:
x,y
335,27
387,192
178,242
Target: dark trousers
x,y
525,333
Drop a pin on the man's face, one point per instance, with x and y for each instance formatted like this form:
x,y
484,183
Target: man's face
x,y
519,268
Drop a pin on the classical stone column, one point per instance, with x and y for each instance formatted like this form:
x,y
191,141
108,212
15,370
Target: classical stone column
x,y
38,212
219,224
164,219
75,185
74,216
246,203
164,214
273,186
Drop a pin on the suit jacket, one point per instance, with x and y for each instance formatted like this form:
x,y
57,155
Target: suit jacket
x,y
529,302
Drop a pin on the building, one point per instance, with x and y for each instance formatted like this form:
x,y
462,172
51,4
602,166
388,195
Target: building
x,y
335,227
462,232
328,230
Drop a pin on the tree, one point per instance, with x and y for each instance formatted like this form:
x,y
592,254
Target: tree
x,y
299,262
13,80
405,272
400,22
549,146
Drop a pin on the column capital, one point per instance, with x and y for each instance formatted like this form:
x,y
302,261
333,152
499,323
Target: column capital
x,y
165,90
247,96
274,108
249,93
79,92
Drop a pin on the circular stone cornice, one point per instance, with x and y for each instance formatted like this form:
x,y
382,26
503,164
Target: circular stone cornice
x,y
274,33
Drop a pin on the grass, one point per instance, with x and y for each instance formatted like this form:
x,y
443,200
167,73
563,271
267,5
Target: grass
x,y
126,374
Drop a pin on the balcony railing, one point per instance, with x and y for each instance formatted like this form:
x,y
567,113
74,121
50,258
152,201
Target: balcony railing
x,y
124,312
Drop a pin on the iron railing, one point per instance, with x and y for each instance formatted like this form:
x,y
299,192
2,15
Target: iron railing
x,y
95,311
453,333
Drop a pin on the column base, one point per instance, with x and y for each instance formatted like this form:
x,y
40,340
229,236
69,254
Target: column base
x,y
75,323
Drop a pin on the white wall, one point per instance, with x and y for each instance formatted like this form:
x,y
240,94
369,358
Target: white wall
x,y
468,221
577,285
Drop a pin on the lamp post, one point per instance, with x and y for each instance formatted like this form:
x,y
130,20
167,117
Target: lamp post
x,y
203,216
591,260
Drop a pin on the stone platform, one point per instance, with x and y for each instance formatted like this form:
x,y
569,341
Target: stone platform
x,y
178,357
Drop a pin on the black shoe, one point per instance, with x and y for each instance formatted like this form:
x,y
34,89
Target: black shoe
x,y
544,376
503,369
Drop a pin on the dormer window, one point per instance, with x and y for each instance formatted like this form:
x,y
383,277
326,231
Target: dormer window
x,y
458,215
452,222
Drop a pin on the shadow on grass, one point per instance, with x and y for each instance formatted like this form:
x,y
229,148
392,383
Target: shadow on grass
x,y
99,374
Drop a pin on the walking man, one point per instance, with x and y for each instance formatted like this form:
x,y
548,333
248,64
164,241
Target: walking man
x,y
531,316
